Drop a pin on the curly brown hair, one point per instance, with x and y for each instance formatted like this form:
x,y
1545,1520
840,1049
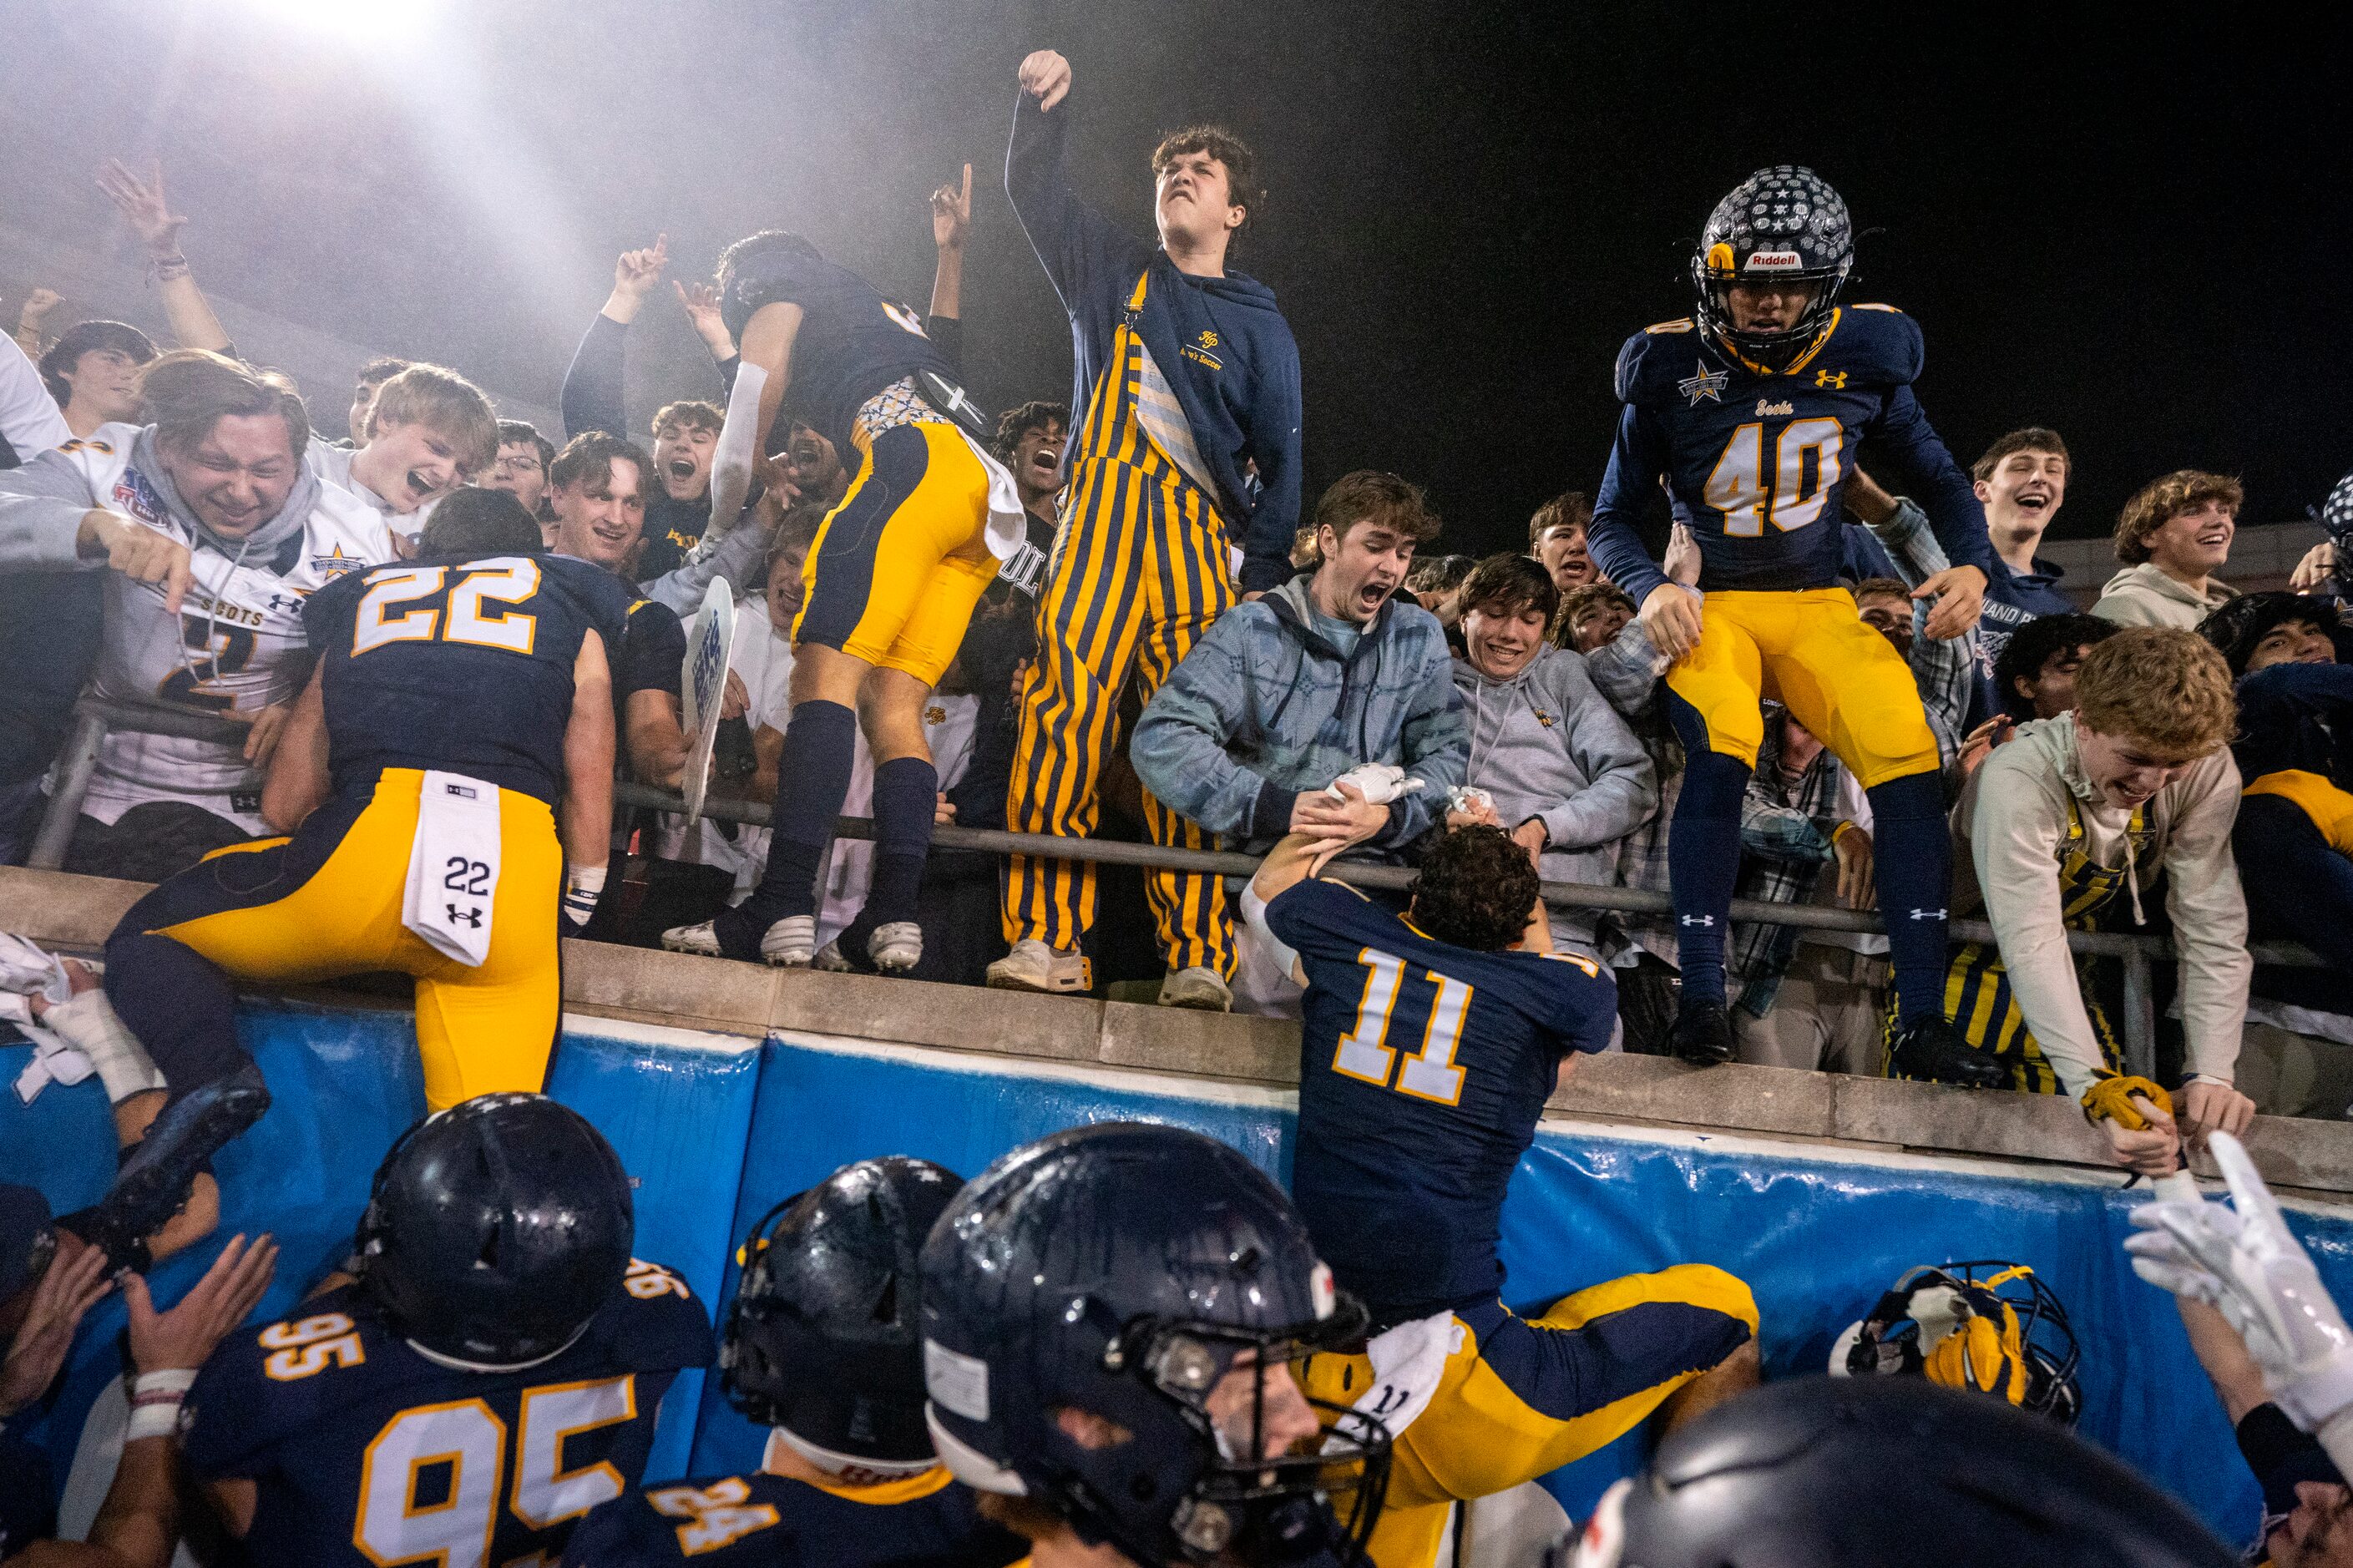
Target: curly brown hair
x,y
2161,501
1475,889
1230,150
2167,688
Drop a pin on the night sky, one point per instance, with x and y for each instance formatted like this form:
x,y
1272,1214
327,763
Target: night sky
x,y
2139,236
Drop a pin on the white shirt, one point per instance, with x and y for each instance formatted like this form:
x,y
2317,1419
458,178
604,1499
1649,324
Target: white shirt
x,y
29,417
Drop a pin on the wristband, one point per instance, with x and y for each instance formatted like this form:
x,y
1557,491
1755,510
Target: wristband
x,y
168,268
582,886
155,1401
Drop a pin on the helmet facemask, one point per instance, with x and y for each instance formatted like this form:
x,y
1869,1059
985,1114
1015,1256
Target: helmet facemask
x,y
1782,224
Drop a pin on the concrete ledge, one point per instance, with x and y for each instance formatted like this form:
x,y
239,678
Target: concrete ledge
x,y
75,913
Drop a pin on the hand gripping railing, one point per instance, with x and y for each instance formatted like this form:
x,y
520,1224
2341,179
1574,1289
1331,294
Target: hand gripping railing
x,y
93,717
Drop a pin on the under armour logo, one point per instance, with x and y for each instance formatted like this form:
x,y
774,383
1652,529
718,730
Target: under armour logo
x,y
1927,914
1697,920
471,915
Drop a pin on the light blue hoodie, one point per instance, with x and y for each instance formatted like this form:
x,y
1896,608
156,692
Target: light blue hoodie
x,y
1264,708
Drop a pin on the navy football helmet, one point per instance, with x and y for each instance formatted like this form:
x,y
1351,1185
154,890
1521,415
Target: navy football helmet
x,y
495,1231
1779,225
822,1340
1124,1270
1985,1326
1859,1472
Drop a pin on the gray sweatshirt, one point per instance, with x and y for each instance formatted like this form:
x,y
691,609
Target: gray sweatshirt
x,y
2144,596
1545,744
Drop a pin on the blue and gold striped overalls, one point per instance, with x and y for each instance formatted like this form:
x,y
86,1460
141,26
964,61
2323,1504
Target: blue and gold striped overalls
x,y
1140,568
1977,997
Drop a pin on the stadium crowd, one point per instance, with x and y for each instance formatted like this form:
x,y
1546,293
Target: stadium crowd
x,y
1118,614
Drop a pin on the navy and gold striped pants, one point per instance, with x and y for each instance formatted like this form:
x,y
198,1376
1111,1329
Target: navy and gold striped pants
x,y
1139,571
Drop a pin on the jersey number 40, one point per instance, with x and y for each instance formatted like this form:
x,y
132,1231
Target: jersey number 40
x,y
1740,489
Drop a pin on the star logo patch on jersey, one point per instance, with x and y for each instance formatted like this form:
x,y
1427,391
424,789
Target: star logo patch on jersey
x,y
1704,382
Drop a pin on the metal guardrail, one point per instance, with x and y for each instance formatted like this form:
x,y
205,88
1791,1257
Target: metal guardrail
x,y
2136,955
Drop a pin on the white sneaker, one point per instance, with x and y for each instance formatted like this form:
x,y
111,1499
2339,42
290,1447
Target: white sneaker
x,y
896,946
1198,987
830,959
1035,966
701,939
791,942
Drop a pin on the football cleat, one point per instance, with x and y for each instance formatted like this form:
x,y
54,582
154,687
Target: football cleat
x,y
790,943
701,939
832,959
158,1171
1933,1051
1702,1034
1784,224
896,946
1198,987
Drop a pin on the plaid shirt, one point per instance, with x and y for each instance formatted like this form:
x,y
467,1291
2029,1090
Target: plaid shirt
x,y
1626,671
1784,842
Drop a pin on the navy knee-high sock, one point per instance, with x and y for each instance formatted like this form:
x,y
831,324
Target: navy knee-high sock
x,y
1911,861
812,779
1702,860
906,793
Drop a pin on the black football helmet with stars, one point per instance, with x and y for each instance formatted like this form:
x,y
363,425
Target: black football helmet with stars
x,y
1784,224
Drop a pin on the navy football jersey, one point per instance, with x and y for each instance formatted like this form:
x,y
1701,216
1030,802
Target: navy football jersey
x,y
1756,462
463,664
365,1452
1422,1069
851,343
928,1520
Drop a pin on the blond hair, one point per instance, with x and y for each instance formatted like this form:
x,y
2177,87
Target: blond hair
x,y
445,404
2161,501
2167,688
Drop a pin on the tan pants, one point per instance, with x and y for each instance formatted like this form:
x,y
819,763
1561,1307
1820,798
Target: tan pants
x,y
1829,1016
2288,1074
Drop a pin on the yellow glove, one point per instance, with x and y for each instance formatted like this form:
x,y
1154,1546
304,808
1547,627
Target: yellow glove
x,y
2110,1099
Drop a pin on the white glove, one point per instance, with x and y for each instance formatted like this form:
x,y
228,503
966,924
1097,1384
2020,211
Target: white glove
x,y
1467,797
2243,1261
1378,783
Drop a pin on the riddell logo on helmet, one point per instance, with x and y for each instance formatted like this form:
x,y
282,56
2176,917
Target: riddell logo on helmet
x,y
1774,262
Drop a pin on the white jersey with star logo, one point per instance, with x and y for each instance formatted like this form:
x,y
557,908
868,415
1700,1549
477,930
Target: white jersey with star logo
x,y
235,648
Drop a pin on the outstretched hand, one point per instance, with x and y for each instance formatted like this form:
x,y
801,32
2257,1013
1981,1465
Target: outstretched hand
x,y
1959,594
1046,77
67,1289
702,306
637,270
184,1338
144,203
952,213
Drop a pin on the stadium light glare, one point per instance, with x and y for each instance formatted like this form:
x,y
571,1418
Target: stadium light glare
x,y
359,20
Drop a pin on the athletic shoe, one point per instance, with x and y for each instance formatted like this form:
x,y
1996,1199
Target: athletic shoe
x,y
157,1171
1198,987
701,940
1702,1034
1933,1051
791,942
1034,966
896,946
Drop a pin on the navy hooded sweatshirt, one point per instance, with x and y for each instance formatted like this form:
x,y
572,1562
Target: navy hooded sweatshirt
x,y
1221,342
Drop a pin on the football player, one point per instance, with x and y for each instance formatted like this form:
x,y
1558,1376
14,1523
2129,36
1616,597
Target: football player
x,y
892,580
1430,1042
1770,1480
488,1372
218,469
1750,411
1110,1319
821,1345
424,829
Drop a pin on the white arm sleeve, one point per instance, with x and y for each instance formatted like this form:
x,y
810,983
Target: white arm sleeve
x,y
730,465
30,417
1254,922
